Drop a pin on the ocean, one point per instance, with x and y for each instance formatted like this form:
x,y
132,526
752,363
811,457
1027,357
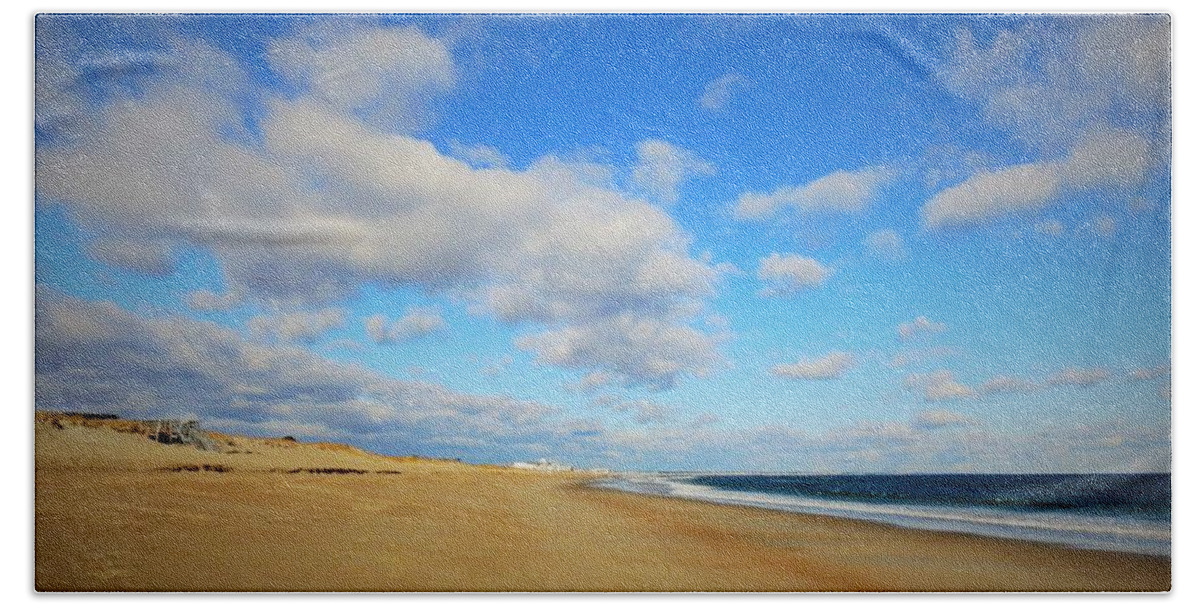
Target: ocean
x,y
1116,512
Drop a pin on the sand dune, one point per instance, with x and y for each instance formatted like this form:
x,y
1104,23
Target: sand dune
x,y
116,511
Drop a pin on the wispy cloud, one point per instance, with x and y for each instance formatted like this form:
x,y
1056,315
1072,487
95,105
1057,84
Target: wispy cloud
x,y
1107,159
939,386
790,273
203,300
828,367
661,167
1079,376
920,326
719,92
95,356
418,322
1089,102
840,191
297,326
479,156
886,244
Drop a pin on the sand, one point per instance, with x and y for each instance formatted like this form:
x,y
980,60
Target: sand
x,y
113,513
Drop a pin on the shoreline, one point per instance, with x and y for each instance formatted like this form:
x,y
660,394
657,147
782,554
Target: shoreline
x,y
981,522
590,485
114,511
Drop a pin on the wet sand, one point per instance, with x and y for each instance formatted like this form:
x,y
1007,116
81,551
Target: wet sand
x,y
115,511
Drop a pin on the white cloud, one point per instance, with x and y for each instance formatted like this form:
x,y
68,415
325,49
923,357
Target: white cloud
x,y
299,326
641,351
1047,85
1149,373
418,322
590,382
990,194
95,356
479,156
380,74
1105,226
1050,227
840,191
918,327
939,386
1094,104
719,92
831,366
661,167
1103,159
886,244
1076,376
203,300
1070,376
331,196
790,273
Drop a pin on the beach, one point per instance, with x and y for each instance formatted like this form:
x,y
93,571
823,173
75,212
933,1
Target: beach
x,y
116,511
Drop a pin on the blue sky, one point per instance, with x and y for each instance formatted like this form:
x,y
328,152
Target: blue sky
x,y
804,243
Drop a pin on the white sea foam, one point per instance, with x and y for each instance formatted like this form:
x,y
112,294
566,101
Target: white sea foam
x,y
1084,531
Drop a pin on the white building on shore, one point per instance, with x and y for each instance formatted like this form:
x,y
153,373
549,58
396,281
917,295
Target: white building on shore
x,y
542,465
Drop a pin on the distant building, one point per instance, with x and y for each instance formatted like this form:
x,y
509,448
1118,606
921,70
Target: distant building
x,y
542,465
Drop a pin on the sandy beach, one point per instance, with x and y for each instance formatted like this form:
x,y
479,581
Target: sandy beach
x,y
116,511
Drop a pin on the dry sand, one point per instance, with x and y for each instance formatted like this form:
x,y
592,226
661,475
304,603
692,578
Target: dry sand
x,y
112,514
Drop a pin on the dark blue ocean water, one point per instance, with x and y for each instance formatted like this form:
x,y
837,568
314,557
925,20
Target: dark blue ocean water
x,y
1119,512
1122,495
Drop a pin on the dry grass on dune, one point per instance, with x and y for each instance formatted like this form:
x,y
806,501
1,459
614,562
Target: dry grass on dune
x,y
116,511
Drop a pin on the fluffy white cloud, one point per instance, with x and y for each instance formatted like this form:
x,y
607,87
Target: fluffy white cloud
x,y
831,366
939,386
918,327
1104,159
661,167
840,191
790,273
1095,104
1070,376
329,193
95,356
297,326
718,93
418,322
479,156
641,351
1112,68
383,75
886,244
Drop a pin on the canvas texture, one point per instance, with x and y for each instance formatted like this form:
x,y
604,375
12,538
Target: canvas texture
x,y
604,302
